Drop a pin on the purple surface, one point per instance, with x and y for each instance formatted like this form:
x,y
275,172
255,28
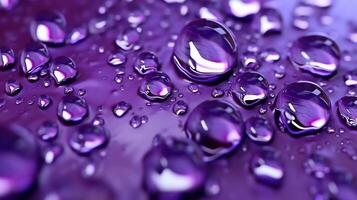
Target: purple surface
x,y
119,165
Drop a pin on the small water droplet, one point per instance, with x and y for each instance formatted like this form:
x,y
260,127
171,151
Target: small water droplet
x,y
117,59
347,109
77,35
180,107
156,86
259,130
242,8
121,108
63,70
72,109
34,57
146,62
44,101
12,87
7,58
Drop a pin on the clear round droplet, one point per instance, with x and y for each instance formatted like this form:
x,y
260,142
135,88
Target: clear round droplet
x,y
173,168
242,8
20,161
117,59
146,62
63,70
7,58
88,138
49,28
267,167
205,51
12,87
347,109
156,86
135,121
270,55
51,153
180,107
302,108
316,54
34,57
259,130
127,40
77,35
121,108
48,131
216,127
270,21
44,101
250,89
72,109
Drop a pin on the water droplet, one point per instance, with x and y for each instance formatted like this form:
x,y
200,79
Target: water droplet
x,y
351,79
216,126
249,60
317,165
347,109
205,51
88,138
121,108
77,35
63,70
242,8
48,131
117,59
250,89
210,14
270,55
20,161
127,40
259,130
72,109
194,88
180,107
156,86
34,57
217,93
316,54
174,168
49,28
7,58
44,101
100,24
267,167
319,4
302,108
8,4
146,62
12,87
136,18
51,153
270,21
135,121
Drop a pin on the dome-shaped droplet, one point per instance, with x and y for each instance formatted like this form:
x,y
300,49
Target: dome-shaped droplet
x,y
259,130
180,108
316,54
205,51
173,168
34,57
44,101
156,86
48,131
77,35
270,55
51,153
351,79
12,87
146,62
127,40
72,109
121,108
63,70
49,28
216,127
8,4
7,58
269,21
117,59
88,138
20,161
242,8
347,108
250,89
267,167
302,108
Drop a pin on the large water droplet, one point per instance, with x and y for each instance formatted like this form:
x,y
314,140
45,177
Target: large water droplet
x,y
173,168
250,89
34,57
205,51
302,108
88,138
7,58
63,70
242,8
12,87
72,109
156,86
316,54
216,126
267,167
347,108
146,62
20,161
259,130
49,28
48,131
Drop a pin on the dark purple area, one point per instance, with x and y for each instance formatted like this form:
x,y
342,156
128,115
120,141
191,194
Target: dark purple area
x,y
118,163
